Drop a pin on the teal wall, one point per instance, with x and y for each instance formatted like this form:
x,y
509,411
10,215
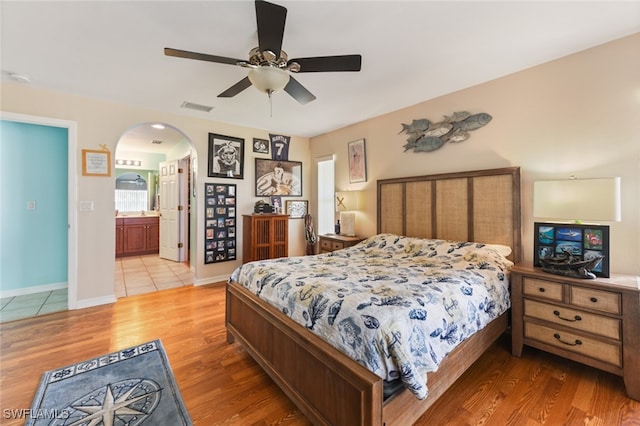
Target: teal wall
x,y
33,167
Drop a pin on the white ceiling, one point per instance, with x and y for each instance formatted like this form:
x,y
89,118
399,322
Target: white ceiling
x,y
412,51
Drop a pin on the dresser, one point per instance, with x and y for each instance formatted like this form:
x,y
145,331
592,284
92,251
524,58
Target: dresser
x,y
594,322
265,236
332,242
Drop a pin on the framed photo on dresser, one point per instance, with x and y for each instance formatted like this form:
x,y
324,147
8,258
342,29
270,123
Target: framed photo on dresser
x,y
582,241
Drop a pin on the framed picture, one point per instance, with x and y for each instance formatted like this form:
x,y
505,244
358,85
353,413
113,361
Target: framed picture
x,y
297,209
582,241
276,203
226,156
261,146
276,177
220,224
357,161
96,162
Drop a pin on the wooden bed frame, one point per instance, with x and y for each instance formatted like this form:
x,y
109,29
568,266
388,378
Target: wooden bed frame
x,y
328,386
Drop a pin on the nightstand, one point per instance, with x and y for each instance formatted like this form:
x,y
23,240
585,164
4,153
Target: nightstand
x,y
594,322
331,242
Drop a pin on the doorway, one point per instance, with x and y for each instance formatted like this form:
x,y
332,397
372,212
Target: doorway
x,y
161,155
58,289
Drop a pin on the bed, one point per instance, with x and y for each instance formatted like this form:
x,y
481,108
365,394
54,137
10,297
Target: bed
x,y
331,387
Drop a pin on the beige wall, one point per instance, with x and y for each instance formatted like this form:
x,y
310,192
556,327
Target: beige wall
x,y
101,122
579,115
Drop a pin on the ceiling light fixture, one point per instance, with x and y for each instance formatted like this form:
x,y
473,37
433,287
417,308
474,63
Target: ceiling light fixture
x,y
268,79
157,126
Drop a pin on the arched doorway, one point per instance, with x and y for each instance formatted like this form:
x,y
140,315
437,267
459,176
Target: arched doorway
x,y
153,215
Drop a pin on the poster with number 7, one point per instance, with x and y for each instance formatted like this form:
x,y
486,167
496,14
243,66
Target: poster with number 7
x,y
279,147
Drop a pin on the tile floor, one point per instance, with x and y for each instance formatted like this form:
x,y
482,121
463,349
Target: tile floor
x,y
134,275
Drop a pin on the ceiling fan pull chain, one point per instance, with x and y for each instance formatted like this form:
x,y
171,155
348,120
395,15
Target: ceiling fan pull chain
x,y
269,92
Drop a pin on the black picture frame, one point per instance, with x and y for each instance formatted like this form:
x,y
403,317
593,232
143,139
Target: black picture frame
x,y
582,240
278,177
261,146
220,223
297,209
226,156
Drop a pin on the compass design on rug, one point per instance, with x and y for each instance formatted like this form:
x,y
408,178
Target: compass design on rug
x,y
127,402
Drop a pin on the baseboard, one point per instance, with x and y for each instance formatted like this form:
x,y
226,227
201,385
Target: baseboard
x,y
210,280
32,290
97,301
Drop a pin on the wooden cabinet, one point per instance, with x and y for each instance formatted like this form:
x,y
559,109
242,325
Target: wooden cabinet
x,y
595,322
329,243
119,237
265,236
137,235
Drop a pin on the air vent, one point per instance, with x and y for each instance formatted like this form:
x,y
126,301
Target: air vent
x,y
197,107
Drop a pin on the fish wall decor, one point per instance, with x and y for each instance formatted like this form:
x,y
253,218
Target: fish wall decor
x,y
425,136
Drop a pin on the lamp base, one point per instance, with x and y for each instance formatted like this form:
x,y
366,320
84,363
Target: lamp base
x,y
347,224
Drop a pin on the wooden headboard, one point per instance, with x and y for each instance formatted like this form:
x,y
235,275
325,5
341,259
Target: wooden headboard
x,y
481,205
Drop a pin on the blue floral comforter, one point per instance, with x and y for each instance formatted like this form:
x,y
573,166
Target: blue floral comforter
x,y
395,304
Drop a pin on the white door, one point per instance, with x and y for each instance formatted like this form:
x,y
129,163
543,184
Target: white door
x,y
169,210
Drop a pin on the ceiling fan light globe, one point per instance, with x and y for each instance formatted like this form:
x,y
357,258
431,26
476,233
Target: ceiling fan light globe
x,y
268,79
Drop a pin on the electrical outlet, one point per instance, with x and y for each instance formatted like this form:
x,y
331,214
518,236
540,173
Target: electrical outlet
x,y
31,205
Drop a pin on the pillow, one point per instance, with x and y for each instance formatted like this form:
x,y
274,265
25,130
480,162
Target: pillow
x,y
503,250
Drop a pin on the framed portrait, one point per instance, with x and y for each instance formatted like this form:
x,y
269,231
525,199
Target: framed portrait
x,y
96,163
261,146
277,177
297,209
357,161
226,156
582,241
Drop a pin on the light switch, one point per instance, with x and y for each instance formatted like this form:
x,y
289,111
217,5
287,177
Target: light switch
x,y
31,205
86,206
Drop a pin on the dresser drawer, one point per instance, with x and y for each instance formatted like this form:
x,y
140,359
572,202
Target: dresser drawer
x,y
607,352
542,288
603,301
325,244
584,321
336,245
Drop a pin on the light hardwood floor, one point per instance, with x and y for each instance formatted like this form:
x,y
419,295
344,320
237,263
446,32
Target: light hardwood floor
x,y
222,385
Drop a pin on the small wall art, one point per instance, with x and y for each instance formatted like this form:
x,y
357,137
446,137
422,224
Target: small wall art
x,y
260,146
297,209
357,161
96,162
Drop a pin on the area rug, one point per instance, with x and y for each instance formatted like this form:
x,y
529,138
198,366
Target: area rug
x,y
130,387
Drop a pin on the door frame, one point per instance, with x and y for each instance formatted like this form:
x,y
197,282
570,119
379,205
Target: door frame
x,y
72,185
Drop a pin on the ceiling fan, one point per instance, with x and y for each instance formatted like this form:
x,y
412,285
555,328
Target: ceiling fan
x,y
269,66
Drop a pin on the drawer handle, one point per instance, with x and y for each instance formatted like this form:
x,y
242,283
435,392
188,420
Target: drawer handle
x,y
594,300
574,319
541,289
577,343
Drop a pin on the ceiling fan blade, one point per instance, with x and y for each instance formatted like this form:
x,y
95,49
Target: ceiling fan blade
x,y
270,19
298,92
236,88
329,63
200,56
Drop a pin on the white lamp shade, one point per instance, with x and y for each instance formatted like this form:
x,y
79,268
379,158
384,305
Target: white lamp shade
x,y
268,79
348,201
578,199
